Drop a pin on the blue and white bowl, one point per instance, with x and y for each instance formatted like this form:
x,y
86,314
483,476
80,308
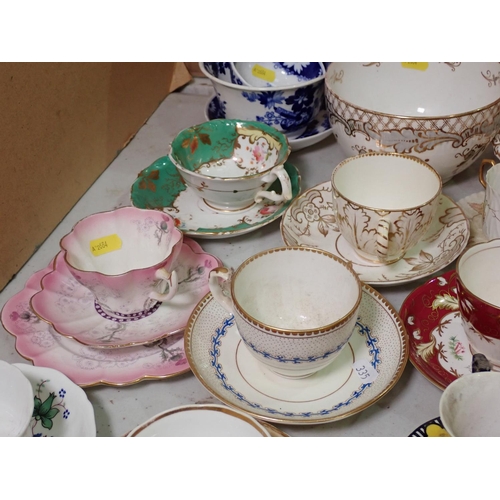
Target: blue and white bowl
x,y
277,74
289,108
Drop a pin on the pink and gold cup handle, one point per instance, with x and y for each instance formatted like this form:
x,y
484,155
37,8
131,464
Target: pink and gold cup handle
x,y
167,285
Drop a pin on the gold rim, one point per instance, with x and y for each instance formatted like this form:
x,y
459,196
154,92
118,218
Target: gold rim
x,y
403,359
288,331
181,409
394,155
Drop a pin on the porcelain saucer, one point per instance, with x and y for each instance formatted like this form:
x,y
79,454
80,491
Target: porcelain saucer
x,y
472,207
222,363
72,311
38,342
431,428
161,186
315,132
310,221
438,345
61,408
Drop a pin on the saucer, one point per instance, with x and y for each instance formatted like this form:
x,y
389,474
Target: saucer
x,y
72,311
61,408
223,364
472,207
438,345
38,342
315,132
310,221
431,428
161,186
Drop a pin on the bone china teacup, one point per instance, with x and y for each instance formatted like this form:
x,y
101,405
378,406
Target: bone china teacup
x,y
470,405
491,208
478,292
384,203
230,164
295,307
126,258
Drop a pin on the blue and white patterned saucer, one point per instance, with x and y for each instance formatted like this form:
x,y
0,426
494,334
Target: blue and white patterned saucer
x,y
222,363
315,132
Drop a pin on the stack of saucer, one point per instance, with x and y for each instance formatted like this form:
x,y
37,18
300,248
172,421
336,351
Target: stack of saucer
x,y
112,305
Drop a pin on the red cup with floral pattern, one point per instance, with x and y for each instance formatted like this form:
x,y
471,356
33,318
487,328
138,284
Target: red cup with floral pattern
x,y
478,290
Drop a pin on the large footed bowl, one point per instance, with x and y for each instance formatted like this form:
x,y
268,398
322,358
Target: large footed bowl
x,y
443,113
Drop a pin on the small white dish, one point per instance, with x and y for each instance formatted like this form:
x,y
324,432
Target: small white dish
x,y
61,408
16,396
39,343
315,132
310,221
73,312
160,186
365,371
201,421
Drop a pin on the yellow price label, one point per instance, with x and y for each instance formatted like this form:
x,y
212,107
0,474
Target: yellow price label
x,y
263,73
106,244
421,66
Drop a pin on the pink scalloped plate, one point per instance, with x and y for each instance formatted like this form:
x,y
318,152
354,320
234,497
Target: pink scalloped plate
x,y
72,311
86,366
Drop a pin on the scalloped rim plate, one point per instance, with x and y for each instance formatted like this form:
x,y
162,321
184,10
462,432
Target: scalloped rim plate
x,y
70,307
39,343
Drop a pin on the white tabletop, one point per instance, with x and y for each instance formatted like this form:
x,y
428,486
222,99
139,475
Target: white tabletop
x,y
411,402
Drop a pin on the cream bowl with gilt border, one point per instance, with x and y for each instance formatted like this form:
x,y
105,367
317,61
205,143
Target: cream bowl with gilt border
x,y
295,308
446,114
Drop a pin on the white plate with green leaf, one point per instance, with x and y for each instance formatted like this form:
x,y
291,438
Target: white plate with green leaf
x,y
61,408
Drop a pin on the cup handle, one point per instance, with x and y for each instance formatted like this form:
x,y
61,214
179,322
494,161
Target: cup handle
x,y
280,173
383,237
166,279
496,146
215,277
491,163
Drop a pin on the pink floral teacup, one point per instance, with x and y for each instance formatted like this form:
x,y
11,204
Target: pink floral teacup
x,y
126,257
230,164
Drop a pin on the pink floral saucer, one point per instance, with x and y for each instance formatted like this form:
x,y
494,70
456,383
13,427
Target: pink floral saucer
x,y
438,345
72,311
38,342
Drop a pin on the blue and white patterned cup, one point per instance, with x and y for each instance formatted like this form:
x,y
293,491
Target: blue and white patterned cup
x,y
295,307
288,108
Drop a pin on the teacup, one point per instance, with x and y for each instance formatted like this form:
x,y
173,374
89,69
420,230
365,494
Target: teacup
x,y
230,164
470,405
126,257
16,395
384,203
491,207
295,307
478,292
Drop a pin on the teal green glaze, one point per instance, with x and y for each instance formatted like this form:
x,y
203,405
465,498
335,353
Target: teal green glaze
x,y
215,140
159,185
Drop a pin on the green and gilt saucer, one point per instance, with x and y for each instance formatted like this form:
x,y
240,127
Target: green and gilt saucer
x,y
161,186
